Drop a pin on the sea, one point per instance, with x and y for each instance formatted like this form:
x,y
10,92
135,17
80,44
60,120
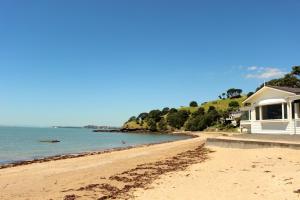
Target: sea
x,y
24,143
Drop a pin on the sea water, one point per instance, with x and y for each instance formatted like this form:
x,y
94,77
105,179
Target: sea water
x,y
19,143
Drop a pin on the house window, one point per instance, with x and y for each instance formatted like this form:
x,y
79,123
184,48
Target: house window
x,y
285,110
257,113
272,111
245,115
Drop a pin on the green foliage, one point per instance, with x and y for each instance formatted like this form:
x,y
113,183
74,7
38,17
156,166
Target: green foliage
x,y
131,119
152,125
177,119
289,80
162,125
296,70
201,120
143,116
173,110
200,112
165,110
155,115
234,104
234,93
193,104
250,94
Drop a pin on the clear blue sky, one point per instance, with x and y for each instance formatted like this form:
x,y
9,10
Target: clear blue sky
x,y
99,62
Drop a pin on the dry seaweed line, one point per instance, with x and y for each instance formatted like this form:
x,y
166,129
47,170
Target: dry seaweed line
x,y
143,175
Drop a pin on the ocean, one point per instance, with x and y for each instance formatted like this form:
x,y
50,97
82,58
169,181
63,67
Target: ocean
x,y
23,143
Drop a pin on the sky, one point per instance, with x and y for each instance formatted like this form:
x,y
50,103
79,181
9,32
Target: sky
x,y
100,62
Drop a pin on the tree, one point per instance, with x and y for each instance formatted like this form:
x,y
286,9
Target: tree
x,y
224,95
193,104
250,94
173,110
234,104
199,112
155,115
210,108
162,125
202,121
177,119
289,80
234,93
152,125
143,116
131,119
165,110
296,70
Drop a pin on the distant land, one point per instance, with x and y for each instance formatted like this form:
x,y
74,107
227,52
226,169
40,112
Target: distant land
x,y
91,127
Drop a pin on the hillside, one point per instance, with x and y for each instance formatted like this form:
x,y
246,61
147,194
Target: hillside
x,y
220,106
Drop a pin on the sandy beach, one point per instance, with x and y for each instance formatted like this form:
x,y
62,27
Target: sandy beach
x,y
177,170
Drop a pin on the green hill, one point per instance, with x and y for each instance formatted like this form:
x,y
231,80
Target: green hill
x,y
220,104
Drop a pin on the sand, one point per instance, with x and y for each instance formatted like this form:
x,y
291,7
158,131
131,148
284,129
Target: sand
x,y
271,173
177,170
57,179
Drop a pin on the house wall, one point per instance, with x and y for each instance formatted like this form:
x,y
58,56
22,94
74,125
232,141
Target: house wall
x,y
285,126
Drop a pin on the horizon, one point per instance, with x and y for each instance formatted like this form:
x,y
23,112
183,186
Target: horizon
x,y
66,63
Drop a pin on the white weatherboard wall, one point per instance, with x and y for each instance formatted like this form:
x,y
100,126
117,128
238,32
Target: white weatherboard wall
x,y
277,126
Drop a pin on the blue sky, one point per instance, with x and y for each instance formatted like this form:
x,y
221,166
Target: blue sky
x,y
100,62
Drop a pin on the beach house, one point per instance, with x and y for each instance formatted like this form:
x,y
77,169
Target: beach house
x,y
272,110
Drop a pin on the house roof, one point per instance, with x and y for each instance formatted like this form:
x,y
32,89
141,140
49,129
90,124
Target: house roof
x,y
290,90
287,89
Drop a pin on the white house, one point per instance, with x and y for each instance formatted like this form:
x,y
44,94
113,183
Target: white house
x,y
273,110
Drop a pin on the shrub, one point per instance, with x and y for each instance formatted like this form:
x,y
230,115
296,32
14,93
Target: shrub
x,y
155,115
234,104
177,119
162,125
193,104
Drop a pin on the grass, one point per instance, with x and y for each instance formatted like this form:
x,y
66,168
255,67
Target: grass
x,y
220,104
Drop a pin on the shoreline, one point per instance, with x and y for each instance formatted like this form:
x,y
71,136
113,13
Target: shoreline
x,y
170,170
106,175
83,154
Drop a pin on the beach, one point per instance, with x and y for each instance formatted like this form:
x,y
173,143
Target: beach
x,y
177,170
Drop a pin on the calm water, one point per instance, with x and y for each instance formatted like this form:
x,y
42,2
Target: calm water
x,y
23,143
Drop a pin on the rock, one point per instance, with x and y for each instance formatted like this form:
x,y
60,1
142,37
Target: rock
x,y
50,141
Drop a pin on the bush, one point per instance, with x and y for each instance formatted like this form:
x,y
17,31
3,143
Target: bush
x,y
152,125
250,94
143,116
193,104
162,125
155,115
177,119
165,111
234,104
201,120
131,119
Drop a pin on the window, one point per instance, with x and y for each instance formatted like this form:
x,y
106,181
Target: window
x,y
293,110
285,110
245,115
257,113
272,111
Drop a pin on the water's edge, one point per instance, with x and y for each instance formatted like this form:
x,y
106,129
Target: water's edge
x,y
82,154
